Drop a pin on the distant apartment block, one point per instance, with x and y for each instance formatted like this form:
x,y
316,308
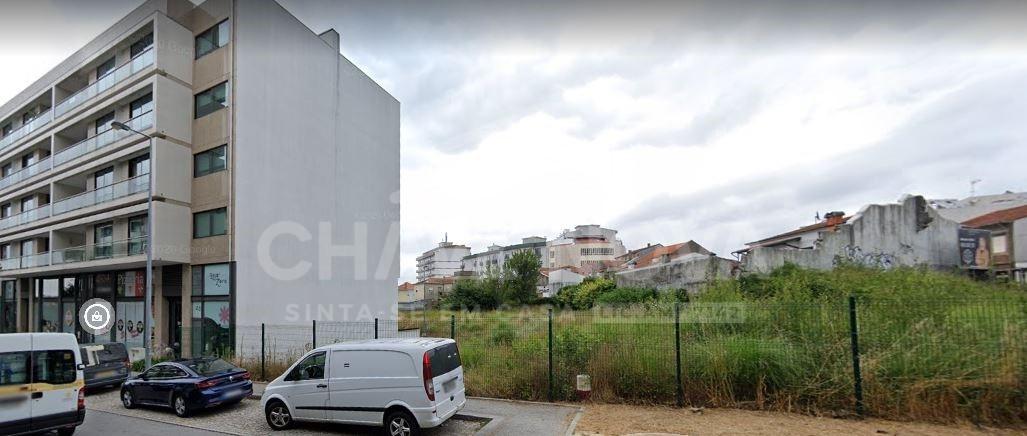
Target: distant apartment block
x,y
496,256
256,121
587,246
442,261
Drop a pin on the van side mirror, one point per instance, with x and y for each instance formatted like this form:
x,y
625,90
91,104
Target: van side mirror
x,y
80,366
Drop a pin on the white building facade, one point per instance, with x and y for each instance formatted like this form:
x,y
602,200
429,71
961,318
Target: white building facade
x,y
442,261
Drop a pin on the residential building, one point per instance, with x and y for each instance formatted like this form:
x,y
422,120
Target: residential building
x,y
433,289
665,254
256,121
909,232
975,206
442,261
410,297
685,265
1008,241
496,256
553,280
587,246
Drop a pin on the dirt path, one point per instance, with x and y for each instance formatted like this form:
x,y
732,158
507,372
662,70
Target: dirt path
x,y
605,419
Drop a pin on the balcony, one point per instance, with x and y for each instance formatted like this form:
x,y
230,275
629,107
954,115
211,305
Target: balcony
x,y
26,217
29,261
23,131
120,74
108,137
23,174
102,195
101,251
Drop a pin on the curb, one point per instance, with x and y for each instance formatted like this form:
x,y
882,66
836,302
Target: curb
x,y
574,422
536,403
162,422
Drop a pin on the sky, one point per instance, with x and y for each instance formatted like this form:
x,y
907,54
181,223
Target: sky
x,y
720,122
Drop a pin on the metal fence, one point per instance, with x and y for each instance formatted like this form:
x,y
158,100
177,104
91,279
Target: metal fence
x,y
937,360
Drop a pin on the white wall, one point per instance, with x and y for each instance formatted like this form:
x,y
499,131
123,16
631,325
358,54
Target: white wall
x,y
316,141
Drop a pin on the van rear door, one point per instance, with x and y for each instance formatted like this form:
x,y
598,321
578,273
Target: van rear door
x,y
447,378
15,405
56,381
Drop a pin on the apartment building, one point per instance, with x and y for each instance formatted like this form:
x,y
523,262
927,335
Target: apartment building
x,y
442,261
496,256
587,246
270,152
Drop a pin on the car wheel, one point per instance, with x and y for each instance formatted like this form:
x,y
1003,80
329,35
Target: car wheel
x,y
278,416
401,423
127,398
181,409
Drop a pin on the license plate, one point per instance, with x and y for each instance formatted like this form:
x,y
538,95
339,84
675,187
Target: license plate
x,y
449,386
107,374
234,393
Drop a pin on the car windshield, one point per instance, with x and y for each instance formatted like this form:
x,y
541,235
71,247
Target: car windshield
x,y
208,367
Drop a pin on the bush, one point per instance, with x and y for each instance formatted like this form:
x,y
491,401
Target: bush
x,y
627,296
503,334
472,294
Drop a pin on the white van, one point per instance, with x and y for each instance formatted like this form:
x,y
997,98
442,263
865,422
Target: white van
x,y
41,383
402,384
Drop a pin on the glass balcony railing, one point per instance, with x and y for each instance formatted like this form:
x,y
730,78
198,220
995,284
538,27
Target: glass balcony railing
x,y
102,195
99,251
39,167
23,131
137,64
25,217
103,139
29,261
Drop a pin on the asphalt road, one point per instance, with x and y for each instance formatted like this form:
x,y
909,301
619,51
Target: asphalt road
x,y
99,423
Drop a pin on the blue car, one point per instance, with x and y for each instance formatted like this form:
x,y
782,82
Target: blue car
x,y
188,385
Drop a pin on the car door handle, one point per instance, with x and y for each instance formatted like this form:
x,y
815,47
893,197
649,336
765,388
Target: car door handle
x,y
36,395
322,386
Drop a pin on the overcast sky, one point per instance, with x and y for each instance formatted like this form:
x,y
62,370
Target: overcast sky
x,y
721,122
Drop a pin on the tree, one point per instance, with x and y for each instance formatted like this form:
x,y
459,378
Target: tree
x,y
472,294
521,277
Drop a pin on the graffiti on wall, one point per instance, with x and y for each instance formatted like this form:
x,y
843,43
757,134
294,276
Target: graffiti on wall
x,y
854,254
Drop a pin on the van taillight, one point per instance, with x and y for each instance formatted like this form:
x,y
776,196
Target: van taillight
x,y
81,399
429,387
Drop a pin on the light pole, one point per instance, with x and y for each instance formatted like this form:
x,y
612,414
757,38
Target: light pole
x,y
148,301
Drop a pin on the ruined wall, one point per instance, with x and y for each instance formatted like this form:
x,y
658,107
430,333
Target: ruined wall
x,y
882,236
689,273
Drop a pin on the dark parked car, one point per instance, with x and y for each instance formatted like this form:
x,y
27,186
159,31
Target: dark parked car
x,y
188,385
105,364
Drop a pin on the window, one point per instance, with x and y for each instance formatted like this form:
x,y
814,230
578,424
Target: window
x,y
211,100
5,251
14,368
211,366
311,368
27,117
136,235
28,203
212,309
55,367
6,170
214,279
104,177
210,223
7,129
5,210
138,166
28,247
210,161
105,68
103,237
28,160
140,106
141,45
998,243
103,123
212,39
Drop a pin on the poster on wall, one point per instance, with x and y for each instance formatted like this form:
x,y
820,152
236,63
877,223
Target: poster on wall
x,y
974,252
129,325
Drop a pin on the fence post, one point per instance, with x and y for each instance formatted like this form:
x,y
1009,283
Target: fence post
x,y
550,354
677,353
452,326
313,331
263,376
856,375
376,328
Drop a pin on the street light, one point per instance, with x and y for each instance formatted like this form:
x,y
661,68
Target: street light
x,y
148,302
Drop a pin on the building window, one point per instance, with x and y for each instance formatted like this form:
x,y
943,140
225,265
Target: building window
x,y
212,39
998,243
28,203
6,170
212,313
140,106
210,223
210,161
27,117
103,239
138,166
103,123
5,210
211,100
136,235
141,45
7,129
28,159
105,68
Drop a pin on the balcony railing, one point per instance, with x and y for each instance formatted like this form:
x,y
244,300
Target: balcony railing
x,y
104,250
102,195
28,261
39,167
23,131
138,63
25,217
103,139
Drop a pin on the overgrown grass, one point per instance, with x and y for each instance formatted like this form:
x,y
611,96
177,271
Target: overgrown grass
x,y
934,346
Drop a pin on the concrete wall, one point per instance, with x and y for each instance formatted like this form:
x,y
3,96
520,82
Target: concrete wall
x,y
688,272
1020,242
318,157
907,233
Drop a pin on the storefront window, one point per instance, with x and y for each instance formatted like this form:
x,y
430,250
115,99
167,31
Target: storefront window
x,y
50,318
212,311
132,284
129,324
8,306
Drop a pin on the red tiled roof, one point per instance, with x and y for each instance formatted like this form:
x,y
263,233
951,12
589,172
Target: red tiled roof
x,y
670,250
812,227
406,286
998,217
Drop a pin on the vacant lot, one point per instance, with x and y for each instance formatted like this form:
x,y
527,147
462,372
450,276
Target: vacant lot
x,y
620,419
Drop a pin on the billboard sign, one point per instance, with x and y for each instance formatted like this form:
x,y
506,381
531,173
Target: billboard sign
x,y
974,251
